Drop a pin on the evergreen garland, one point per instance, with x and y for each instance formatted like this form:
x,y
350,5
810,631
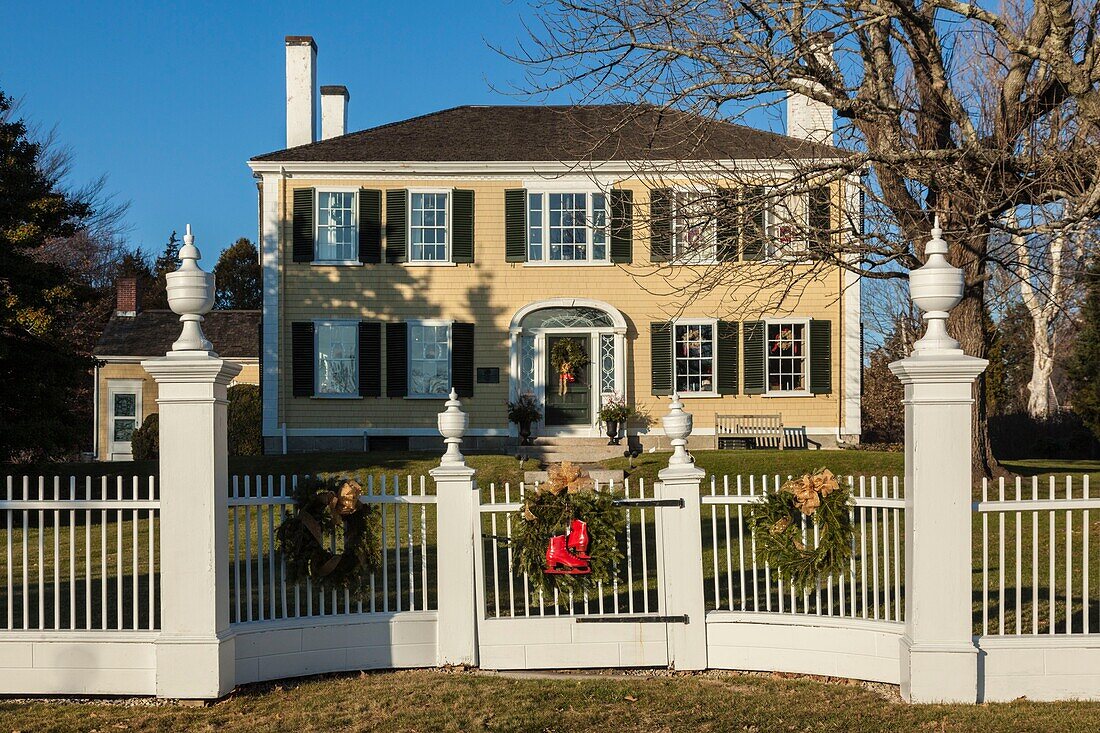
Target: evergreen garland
x,y
327,511
783,524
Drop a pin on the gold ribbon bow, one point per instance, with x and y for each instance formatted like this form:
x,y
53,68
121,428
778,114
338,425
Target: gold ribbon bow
x,y
809,490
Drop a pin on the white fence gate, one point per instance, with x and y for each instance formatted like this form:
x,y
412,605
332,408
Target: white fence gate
x,y
520,626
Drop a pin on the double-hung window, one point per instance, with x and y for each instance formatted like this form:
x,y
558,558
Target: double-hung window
x,y
694,227
567,227
429,359
786,356
693,357
429,213
337,354
337,238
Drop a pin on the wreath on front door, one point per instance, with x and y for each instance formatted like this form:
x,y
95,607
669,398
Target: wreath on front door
x,y
567,357
332,538
785,523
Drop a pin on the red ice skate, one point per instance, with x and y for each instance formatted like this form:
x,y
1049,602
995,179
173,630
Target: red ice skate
x,y
577,539
559,561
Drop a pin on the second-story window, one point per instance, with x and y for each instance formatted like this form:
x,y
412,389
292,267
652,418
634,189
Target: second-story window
x,y
694,227
428,227
337,240
567,227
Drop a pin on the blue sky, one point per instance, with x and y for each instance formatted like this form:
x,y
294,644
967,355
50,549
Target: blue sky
x,y
170,100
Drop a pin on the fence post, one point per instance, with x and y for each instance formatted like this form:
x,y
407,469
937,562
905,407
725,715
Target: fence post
x,y
939,662
456,511
195,651
682,544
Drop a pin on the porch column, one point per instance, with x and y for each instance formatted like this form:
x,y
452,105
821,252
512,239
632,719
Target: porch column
x,y
682,544
195,650
456,510
939,662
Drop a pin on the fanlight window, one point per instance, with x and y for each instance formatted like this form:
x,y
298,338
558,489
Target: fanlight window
x,y
579,317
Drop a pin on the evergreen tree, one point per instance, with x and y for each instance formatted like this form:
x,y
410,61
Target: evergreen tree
x,y
1084,365
39,362
237,276
169,261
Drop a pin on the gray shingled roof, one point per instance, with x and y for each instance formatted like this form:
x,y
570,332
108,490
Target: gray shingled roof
x,y
553,133
150,333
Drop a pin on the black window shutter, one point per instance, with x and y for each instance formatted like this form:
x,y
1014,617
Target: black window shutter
x,y
370,225
820,220
462,358
397,363
396,229
821,357
302,225
462,227
755,373
660,225
755,227
727,357
660,357
515,225
622,225
301,358
729,225
370,359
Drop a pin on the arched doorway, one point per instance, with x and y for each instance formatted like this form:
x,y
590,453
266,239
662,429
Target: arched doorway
x,y
596,327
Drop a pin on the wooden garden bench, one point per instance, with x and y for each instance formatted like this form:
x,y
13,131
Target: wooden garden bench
x,y
749,431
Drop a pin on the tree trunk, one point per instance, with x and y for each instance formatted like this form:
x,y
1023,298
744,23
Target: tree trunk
x,y
968,324
1042,365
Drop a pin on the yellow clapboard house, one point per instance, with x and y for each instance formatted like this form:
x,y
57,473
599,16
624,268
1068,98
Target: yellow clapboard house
x,y
458,249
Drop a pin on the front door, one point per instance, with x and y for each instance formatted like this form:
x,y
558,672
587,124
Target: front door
x,y
568,403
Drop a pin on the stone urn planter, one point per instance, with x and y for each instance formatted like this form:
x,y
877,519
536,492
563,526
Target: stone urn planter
x,y
613,432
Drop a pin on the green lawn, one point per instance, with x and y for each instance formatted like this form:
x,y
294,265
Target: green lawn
x,y
464,701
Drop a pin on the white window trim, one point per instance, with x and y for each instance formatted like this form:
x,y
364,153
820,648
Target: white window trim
x,y
447,260
408,355
317,394
317,222
677,257
768,323
544,192
122,449
713,323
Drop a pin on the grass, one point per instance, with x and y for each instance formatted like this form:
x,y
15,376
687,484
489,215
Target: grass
x,y
462,701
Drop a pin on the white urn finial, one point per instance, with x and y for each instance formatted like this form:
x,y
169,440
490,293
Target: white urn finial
x,y
452,424
936,288
191,295
677,425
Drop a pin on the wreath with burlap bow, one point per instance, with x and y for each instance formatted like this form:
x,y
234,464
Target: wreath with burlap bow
x,y
332,538
784,523
569,494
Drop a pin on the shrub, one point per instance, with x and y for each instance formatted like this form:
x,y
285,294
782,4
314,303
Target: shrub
x,y
145,442
245,407
1063,435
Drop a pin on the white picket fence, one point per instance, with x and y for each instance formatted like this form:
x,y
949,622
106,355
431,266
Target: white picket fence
x,y
80,553
1036,559
740,581
509,594
259,590
81,566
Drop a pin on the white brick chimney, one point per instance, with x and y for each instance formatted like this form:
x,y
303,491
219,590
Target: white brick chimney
x,y
809,119
301,85
334,111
